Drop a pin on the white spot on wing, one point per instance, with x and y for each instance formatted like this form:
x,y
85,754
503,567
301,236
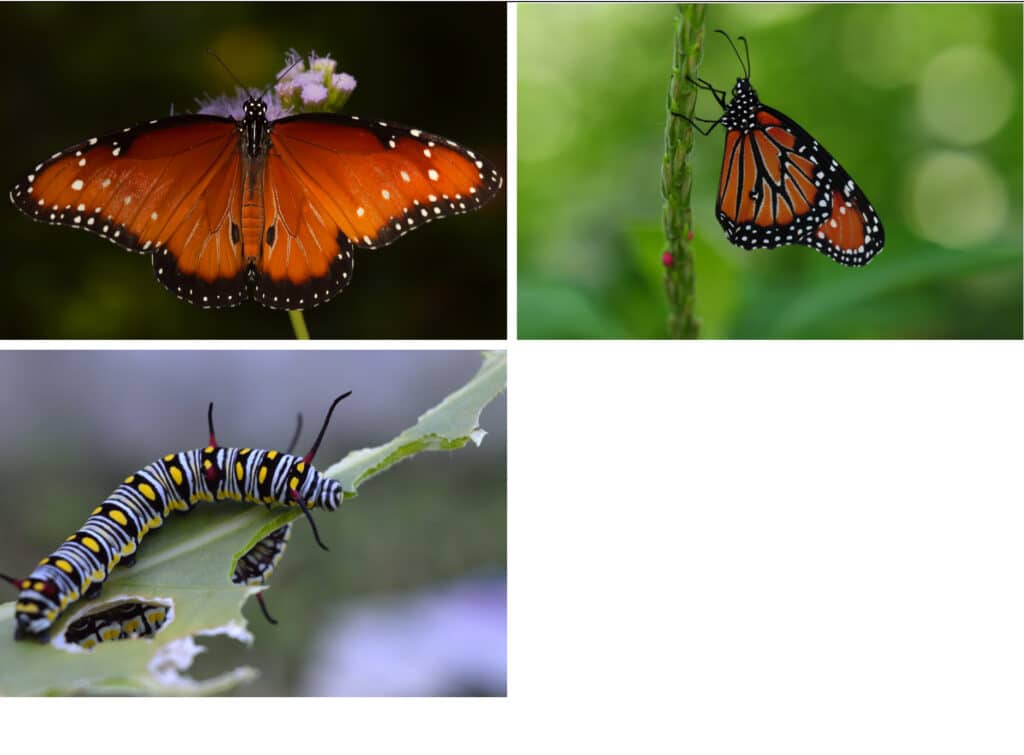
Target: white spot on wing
x,y
77,184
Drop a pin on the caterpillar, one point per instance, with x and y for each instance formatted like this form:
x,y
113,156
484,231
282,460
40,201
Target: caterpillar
x,y
176,482
128,620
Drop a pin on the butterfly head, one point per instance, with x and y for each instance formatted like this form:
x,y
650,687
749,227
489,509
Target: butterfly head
x,y
255,108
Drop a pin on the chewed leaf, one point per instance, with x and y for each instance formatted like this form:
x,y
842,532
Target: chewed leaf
x,y
183,570
449,425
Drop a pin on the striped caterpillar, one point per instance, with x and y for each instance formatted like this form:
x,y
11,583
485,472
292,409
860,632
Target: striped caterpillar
x,y
177,482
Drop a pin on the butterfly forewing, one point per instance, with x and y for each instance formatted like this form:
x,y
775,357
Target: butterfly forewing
x,y
115,184
382,180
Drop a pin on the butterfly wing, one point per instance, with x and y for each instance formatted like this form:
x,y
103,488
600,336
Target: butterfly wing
x,y
335,182
168,188
780,186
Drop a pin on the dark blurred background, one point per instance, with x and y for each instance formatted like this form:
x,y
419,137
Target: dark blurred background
x,y
418,555
85,69
920,103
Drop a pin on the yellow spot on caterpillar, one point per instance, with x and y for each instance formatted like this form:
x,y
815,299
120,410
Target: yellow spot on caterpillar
x,y
176,475
91,544
88,643
25,584
26,608
110,633
239,470
114,561
63,565
156,616
271,455
209,449
51,614
268,499
169,457
244,451
300,467
262,474
118,517
147,491
154,522
294,483
64,602
129,479
38,587
207,464
133,627
97,510
97,576
128,549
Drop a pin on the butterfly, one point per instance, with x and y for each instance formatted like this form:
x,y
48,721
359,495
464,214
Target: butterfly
x,y
779,186
268,210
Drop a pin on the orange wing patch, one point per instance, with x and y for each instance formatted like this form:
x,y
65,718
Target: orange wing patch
x,y
845,229
383,180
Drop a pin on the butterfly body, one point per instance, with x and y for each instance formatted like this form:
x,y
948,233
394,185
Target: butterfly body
x,y
269,210
779,185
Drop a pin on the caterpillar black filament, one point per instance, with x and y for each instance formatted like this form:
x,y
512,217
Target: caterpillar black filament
x,y
177,482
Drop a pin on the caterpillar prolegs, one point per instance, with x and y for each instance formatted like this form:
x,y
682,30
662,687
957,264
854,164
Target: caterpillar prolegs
x,y
176,482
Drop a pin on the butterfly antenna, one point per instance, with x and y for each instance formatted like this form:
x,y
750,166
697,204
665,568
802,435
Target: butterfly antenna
x,y
746,69
284,73
746,48
11,580
230,72
312,452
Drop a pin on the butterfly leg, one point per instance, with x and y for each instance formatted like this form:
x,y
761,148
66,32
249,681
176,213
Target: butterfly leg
x,y
691,121
718,94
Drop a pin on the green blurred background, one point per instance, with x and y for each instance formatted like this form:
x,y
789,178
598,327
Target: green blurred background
x,y
920,103
89,68
77,422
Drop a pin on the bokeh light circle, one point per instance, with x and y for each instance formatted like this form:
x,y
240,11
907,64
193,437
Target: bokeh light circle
x,y
965,95
956,199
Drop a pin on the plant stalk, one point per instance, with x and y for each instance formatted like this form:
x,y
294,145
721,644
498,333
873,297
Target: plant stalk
x,y
677,176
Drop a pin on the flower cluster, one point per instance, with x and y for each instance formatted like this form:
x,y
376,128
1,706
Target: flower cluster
x,y
315,88
301,87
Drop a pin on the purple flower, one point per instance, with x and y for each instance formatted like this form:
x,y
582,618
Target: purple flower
x,y
299,89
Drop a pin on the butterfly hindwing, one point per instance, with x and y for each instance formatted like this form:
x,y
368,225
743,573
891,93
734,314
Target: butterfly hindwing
x,y
306,258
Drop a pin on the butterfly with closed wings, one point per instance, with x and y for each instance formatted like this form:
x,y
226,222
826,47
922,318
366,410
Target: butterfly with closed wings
x,y
780,186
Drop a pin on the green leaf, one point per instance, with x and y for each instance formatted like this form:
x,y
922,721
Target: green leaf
x,y
188,563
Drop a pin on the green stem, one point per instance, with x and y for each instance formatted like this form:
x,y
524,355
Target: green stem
x,y
298,324
676,173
